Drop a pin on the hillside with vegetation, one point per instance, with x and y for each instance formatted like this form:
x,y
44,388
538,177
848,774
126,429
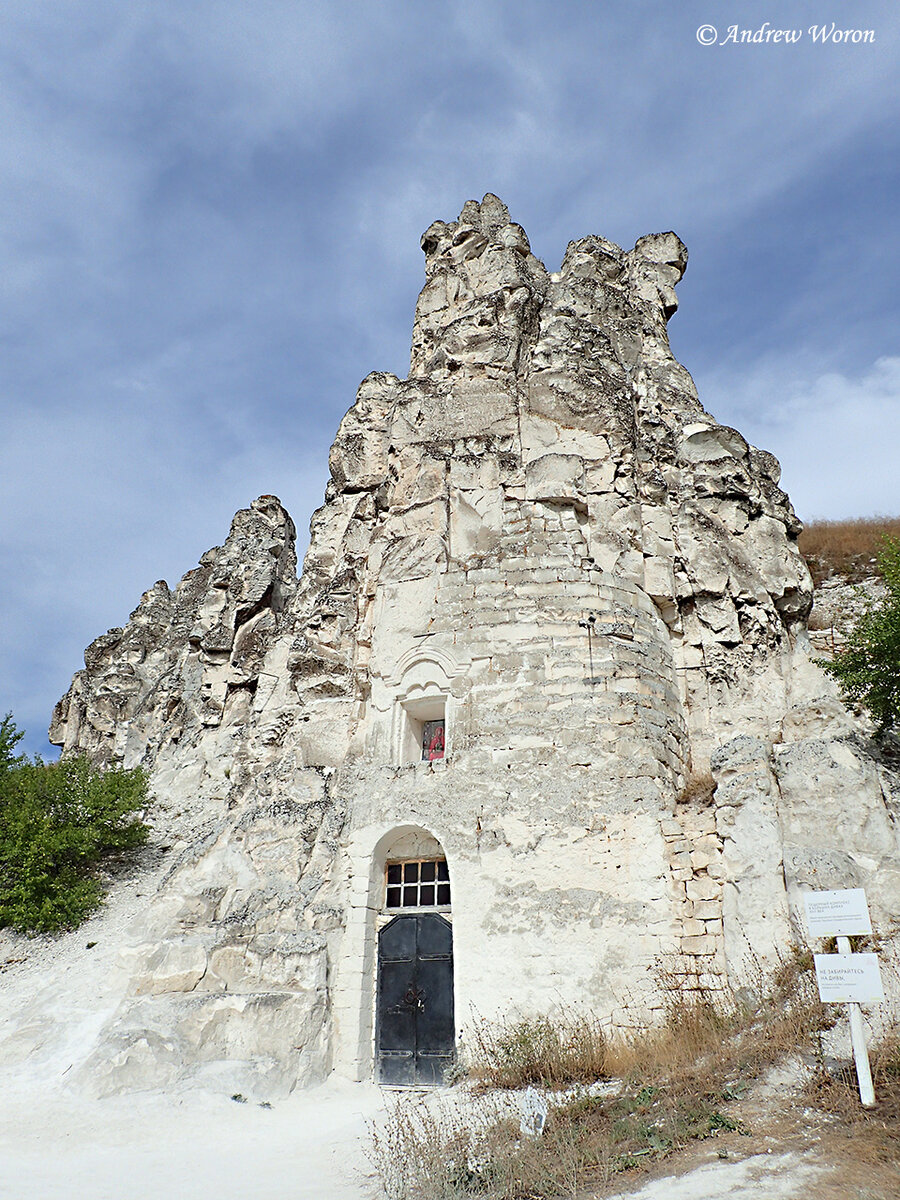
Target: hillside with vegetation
x,y
848,549
62,826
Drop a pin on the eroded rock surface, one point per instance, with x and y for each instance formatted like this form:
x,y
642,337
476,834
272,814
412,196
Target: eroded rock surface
x,y
541,537
188,659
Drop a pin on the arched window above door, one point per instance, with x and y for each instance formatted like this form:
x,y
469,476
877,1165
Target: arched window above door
x,y
417,883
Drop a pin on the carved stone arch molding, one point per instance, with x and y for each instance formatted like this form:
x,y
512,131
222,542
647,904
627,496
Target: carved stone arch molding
x,y
425,654
422,688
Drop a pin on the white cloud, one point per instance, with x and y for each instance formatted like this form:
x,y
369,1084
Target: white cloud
x,y
836,435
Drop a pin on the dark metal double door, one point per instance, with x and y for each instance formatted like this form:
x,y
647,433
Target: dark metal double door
x,y
415,1033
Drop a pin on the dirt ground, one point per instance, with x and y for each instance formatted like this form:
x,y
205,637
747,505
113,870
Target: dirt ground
x,y
788,1152
186,1147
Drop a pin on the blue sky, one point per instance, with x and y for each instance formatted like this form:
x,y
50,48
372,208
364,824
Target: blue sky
x,y
212,212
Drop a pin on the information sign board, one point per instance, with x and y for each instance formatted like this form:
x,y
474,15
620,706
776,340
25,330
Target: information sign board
x,y
848,978
829,914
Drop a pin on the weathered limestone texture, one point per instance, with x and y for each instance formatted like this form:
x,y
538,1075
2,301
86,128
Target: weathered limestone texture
x,y
543,539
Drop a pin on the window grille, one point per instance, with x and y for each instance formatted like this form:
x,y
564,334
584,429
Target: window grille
x,y
424,883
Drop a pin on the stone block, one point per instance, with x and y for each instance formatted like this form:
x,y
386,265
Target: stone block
x,y
691,927
713,981
703,889
699,946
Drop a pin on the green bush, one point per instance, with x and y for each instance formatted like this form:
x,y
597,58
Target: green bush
x,y
58,821
868,670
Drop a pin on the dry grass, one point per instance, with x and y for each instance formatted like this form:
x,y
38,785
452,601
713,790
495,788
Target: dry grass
x,y
425,1154
479,1150
717,1044
845,547
678,1081
570,1048
699,788
870,1134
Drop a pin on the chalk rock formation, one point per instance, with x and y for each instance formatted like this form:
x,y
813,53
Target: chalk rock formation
x,y
188,660
541,539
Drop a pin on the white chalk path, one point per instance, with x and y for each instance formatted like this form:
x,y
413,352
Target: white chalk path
x,y
762,1177
188,1146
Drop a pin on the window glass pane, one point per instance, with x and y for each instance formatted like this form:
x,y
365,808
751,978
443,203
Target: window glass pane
x,y
421,884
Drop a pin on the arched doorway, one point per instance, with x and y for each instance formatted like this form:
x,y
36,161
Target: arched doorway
x,y
414,1024
415,1035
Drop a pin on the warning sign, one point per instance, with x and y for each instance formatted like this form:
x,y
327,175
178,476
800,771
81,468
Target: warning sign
x,y
848,978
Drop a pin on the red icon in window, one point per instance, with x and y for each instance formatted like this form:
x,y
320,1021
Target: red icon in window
x,y
432,741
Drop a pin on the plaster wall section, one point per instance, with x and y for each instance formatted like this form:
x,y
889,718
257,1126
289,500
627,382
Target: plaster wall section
x,y
559,894
542,654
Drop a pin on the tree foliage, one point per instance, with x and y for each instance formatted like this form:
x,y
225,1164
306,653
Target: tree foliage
x,y
58,822
868,669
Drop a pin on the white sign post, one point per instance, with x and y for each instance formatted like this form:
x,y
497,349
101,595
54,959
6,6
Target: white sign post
x,y
846,978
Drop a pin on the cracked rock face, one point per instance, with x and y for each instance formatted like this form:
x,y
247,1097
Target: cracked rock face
x,y
188,659
542,538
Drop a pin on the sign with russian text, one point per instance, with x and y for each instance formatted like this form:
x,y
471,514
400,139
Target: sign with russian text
x,y
839,913
848,978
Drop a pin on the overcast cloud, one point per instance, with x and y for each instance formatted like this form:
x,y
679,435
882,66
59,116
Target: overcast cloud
x,y
212,212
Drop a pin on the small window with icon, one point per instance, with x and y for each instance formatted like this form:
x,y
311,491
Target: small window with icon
x,y
432,740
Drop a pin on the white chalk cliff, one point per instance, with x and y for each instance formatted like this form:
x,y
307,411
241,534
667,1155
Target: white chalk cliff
x,y
543,539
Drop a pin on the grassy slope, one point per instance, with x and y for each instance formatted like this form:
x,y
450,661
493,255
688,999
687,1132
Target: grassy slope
x,y
845,547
